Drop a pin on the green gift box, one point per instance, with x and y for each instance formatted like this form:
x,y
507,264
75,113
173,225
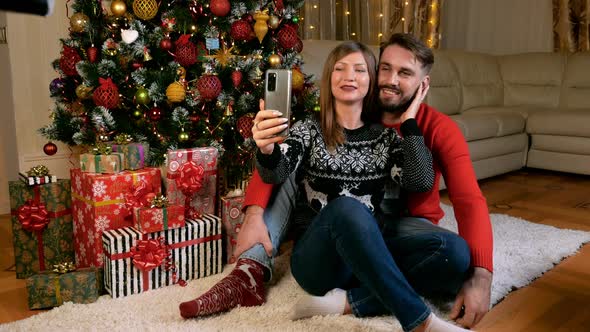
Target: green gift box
x,y
101,163
41,225
133,154
52,289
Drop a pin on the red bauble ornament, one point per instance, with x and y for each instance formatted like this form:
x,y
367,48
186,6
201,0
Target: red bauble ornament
x,y
69,59
196,9
236,78
298,46
241,30
136,65
287,37
209,87
220,7
92,54
155,114
50,149
166,44
245,124
194,118
186,52
107,94
279,4
248,18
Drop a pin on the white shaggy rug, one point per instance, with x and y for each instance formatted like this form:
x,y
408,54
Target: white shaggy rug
x,y
523,251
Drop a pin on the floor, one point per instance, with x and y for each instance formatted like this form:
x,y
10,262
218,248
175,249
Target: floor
x,y
558,301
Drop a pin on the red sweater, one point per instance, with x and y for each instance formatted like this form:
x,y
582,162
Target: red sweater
x,y
451,160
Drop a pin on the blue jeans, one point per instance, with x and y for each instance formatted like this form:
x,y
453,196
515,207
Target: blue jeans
x,y
382,267
276,217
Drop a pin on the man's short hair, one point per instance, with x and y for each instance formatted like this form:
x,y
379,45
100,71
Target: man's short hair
x,y
405,40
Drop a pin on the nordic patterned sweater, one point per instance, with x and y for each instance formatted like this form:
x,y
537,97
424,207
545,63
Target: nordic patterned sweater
x,y
358,168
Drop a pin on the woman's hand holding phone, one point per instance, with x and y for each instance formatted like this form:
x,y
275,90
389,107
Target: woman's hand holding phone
x,y
267,125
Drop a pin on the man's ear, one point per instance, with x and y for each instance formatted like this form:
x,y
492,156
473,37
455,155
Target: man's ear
x,y
426,80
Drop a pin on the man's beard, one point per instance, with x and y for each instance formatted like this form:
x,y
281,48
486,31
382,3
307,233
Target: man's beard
x,y
399,108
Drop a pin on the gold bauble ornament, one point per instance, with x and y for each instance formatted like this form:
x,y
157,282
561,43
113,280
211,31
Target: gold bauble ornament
x,y
118,7
274,60
137,113
183,136
297,80
274,21
261,27
145,9
79,22
175,92
142,96
83,91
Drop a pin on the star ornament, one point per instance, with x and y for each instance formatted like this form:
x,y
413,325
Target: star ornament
x,y
223,55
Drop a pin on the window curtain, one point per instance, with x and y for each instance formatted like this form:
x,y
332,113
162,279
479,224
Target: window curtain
x,y
371,21
571,25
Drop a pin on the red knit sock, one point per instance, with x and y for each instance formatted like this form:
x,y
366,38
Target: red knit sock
x,y
244,286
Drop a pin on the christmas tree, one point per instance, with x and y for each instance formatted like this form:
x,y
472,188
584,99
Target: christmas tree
x,y
174,74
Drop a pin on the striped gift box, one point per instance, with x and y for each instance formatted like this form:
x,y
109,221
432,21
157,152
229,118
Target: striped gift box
x,y
195,250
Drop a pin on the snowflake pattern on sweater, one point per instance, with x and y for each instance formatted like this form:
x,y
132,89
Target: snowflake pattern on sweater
x,y
359,168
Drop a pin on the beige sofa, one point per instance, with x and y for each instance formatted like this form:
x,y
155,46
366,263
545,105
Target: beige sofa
x,y
519,110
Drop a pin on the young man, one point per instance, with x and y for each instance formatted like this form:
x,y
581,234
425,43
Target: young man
x,y
404,64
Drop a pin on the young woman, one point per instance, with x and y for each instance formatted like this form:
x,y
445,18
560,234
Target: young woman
x,y
342,161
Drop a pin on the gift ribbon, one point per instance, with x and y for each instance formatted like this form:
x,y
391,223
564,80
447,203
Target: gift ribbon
x,y
57,287
141,195
38,171
148,255
34,217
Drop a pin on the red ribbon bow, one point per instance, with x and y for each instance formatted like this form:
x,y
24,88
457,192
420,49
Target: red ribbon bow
x,y
189,180
140,195
33,216
149,254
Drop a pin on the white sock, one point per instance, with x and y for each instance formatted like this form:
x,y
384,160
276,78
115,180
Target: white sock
x,y
330,304
438,325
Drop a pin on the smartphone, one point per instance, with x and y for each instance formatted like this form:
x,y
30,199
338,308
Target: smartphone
x,y
277,94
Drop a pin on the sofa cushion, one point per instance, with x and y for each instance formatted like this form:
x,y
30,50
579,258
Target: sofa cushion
x,y
576,85
532,78
524,111
560,123
562,144
445,90
476,125
481,82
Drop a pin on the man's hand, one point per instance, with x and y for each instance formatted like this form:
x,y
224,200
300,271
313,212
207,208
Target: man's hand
x,y
475,297
253,231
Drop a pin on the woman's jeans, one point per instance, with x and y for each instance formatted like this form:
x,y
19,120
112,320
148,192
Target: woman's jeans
x,y
383,268
276,217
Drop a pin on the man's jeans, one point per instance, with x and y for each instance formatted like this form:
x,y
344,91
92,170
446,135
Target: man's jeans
x,y
381,268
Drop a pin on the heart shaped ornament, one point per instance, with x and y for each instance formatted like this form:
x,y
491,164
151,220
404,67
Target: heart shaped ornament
x,y
129,36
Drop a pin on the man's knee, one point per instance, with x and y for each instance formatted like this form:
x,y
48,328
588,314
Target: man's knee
x,y
457,254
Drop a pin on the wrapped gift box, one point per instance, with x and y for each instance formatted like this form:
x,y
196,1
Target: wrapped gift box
x,y
148,220
194,250
35,246
133,154
35,180
232,218
203,201
101,163
51,289
99,204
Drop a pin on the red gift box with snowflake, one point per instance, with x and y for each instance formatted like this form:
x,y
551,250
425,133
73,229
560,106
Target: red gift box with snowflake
x,y
232,218
102,202
191,180
149,220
